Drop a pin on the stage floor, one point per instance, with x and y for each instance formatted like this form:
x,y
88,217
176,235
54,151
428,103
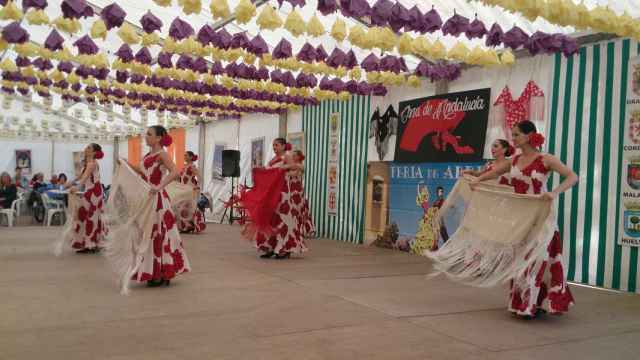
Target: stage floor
x,y
338,302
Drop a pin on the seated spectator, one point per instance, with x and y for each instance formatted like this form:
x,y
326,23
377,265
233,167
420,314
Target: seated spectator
x,y
37,182
62,180
8,191
54,180
20,180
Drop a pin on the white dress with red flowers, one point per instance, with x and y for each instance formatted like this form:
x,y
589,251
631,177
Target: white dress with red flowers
x,y
190,219
543,286
287,227
87,230
165,257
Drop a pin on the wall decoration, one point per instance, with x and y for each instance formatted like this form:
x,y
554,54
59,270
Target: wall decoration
x,y
333,163
443,128
23,161
216,167
257,152
296,140
78,163
382,132
509,111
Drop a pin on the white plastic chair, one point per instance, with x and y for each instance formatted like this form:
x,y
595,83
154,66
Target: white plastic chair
x,y
10,213
20,201
52,208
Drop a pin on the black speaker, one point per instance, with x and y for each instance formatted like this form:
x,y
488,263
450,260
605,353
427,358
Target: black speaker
x,y
230,163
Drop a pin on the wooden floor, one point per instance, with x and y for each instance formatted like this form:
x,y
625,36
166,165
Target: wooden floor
x,y
339,302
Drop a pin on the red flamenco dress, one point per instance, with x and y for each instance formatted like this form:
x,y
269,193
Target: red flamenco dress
x,y
88,231
276,207
503,180
543,286
189,219
165,257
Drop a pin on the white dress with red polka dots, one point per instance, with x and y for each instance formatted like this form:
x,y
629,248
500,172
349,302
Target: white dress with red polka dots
x,y
189,219
87,230
165,257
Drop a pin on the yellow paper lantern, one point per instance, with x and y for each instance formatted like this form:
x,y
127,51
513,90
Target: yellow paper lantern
x,y
190,6
405,44
99,30
11,12
220,9
37,17
245,11
295,24
128,34
339,30
150,39
357,35
458,52
314,27
269,19
163,3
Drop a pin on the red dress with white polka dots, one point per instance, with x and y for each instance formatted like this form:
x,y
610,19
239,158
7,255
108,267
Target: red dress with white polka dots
x,y
165,258
190,219
543,286
88,230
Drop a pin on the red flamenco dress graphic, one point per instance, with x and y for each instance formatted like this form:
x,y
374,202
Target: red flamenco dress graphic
x,y
165,258
190,218
277,208
543,286
88,230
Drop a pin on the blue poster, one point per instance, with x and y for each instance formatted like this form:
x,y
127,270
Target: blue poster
x,y
416,193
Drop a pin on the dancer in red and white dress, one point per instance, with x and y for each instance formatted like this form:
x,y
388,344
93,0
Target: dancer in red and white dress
x,y
165,257
306,222
276,230
87,231
543,287
500,150
190,219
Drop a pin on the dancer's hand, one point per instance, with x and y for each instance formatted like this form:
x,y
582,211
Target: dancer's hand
x,y
548,196
73,190
155,189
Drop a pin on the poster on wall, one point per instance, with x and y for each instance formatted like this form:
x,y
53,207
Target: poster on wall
x,y
332,164
23,161
296,140
257,152
78,163
383,126
416,192
630,189
443,128
216,167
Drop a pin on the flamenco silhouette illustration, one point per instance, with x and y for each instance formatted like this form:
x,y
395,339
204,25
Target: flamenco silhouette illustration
x,y
433,119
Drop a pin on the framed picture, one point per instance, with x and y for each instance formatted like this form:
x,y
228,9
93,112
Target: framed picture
x,y
296,140
23,161
217,161
257,152
78,163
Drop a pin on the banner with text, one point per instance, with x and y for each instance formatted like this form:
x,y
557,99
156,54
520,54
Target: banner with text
x,y
443,128
332,163
630,190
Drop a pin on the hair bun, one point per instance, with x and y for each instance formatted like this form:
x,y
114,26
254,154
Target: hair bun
x,y
166,140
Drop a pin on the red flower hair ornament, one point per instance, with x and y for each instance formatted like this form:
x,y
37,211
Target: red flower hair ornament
x,y
511,150
288,147
194,157
166,140
98,155
536,140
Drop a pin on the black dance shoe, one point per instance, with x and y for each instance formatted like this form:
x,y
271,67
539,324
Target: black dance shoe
x,y
267,255
284,256
155,283
83,251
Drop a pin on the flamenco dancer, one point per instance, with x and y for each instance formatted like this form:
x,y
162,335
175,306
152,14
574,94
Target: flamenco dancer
x,y
306,222
500,150
190,220
85,232
165,257
275,205
543,287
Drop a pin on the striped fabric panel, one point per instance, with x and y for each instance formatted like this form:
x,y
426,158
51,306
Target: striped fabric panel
x,y
348,224
588,110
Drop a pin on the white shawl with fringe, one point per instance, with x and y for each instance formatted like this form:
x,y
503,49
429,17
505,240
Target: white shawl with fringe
x,y
501,234
129,217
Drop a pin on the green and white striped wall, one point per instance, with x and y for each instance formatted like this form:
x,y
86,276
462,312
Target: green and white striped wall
x,y
348,224
586,130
